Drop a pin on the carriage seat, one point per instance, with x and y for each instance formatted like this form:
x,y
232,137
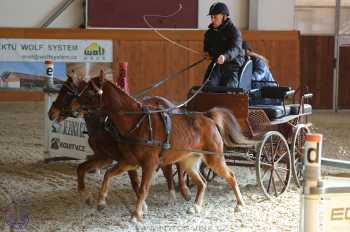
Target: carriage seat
x,y
273,111
271,100
295,108
276,92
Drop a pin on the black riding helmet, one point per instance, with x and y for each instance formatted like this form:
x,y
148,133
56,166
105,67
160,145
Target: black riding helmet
x,y
218,8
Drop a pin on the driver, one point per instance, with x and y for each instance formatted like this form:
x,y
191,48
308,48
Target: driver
x,y
223,44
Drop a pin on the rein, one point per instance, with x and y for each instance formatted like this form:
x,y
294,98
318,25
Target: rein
x,y
169,110
170,77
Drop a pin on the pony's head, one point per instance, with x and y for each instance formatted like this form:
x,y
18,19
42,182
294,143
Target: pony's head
x,y
90,94
72,89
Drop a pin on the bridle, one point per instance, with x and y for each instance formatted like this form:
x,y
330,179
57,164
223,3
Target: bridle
x,y
74,93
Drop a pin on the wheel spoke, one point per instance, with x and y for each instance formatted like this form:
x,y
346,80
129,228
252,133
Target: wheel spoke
x,y
278,144
262,178
271,145
208,174
274,184
268,187
280,178
265,164
280,158
282,168
297,150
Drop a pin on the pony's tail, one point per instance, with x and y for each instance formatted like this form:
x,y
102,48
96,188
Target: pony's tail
x,y
228,127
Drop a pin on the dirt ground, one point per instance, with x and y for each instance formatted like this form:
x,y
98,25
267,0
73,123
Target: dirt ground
x,y
46,199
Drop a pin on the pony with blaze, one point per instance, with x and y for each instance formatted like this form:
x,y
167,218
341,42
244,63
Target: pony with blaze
x,y
105,148
192,135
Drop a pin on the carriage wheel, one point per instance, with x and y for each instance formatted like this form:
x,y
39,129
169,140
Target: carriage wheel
x,y
273,164
297,151
206,172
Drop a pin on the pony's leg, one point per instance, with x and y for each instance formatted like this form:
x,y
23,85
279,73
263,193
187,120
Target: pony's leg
x,y
191,168
114,171
168,174
82,169
135,183
185,192
148,171
218,165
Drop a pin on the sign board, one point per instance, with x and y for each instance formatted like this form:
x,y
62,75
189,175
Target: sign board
x,y
68,138
63,50
336,215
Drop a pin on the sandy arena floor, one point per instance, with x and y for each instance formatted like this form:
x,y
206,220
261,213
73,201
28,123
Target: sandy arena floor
x,y
46,193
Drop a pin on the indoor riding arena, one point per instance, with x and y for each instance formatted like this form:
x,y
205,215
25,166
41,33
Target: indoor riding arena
x,y
184,115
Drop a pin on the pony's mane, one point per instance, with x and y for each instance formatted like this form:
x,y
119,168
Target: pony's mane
x,y
123,92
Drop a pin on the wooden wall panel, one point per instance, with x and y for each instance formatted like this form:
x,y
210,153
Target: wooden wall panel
x,y
21,96
150,57
344,77
317,54
283,56
124,14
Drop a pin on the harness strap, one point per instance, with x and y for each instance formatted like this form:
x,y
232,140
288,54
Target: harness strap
x,y
167,128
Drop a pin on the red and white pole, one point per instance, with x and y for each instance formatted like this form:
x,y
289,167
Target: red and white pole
x,y
122,80
310,220
49,73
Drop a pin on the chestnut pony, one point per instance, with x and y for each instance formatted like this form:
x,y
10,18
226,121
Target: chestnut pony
x,y
192,135
105,148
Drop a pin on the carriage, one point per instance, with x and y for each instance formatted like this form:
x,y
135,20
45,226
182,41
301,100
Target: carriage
x,y
266,112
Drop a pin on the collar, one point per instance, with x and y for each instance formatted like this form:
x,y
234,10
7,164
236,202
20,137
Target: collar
x,y
222,26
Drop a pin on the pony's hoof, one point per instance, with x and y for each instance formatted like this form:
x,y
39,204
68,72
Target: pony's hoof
x,y
172,197
191,211
86,197
144,207
186,194
101,206
197,208
238,208
133,220
136,217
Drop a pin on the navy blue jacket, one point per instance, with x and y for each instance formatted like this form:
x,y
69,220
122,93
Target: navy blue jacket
x,y
225,40
261,72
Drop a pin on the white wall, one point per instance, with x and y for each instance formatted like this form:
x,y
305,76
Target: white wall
x,y
271,14
238,8
321,2
33,13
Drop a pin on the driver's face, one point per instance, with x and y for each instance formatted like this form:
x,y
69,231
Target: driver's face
x,y
217,20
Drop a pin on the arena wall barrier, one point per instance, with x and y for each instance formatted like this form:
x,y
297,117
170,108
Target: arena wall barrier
x,y
325,201
150,57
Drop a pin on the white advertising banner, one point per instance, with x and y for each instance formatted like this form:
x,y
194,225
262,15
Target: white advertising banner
x,y
39,50
68,138
336,212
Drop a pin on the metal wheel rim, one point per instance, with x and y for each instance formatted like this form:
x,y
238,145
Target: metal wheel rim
x,y
297,152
